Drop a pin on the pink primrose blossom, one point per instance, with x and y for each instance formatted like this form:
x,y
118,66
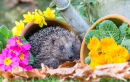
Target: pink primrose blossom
x,y
27,67
8,60
17,41
14,49
24,57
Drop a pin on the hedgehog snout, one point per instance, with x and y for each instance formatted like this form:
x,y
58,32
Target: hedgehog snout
x,y
70,56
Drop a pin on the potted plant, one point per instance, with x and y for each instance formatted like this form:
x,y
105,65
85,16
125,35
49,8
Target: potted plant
x,y
117,19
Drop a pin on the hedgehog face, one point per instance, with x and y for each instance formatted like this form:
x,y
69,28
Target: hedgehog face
x,y
65,47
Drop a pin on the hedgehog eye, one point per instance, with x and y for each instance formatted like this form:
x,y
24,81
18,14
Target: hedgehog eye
x,y
53,41
62,48
72,47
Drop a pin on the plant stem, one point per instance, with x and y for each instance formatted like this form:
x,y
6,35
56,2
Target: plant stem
x,y
88,15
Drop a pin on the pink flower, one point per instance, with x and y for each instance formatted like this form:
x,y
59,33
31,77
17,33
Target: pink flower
x,y
24,57
27,67
8,60
14,49
17,41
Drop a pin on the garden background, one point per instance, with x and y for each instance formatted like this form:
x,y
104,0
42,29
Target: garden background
x,y
13,11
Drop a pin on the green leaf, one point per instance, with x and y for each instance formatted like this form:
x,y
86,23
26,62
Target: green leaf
x,y
54,6
83,12
3,40
31,59
79,6
92,33
97,26
109,29
126,44
1,47
124,39
123,33
128,30
76,2
57,12
52,2
10,34
23,39
88,60
4,32
90,1
82,9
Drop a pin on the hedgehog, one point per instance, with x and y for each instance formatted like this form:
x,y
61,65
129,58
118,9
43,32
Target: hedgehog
x,y
54,46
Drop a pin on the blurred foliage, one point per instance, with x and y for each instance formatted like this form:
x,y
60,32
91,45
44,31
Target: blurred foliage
x,y
9,16
82,6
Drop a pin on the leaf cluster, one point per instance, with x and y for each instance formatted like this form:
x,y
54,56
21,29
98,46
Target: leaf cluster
x,y
5,34
81,6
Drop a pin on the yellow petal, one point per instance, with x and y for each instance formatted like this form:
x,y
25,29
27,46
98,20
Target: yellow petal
x,y
16,22
52,11
40,12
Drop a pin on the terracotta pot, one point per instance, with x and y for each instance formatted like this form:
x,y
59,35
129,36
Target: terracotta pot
x,y
31,27
117,19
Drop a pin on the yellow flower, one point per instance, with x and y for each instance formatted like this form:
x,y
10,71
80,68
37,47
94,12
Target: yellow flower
x,y
19,25
49,12
106,44
28,17
120,52
107,53
40,12
15,31
39,20
18,28
93,53
94,43
101,60
34,12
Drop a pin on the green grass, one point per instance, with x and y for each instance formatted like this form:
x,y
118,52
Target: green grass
x,y
103,79
52,79
48,79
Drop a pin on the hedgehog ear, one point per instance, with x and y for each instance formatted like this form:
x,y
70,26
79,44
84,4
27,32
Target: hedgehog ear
x,y
53,41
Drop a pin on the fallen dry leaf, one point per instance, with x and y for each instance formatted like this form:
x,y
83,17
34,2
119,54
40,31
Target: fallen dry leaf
x,y
73,70
69,64
113,68
107,74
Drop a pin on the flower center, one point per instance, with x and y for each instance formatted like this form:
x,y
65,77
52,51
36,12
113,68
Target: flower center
x,y
12,50
22,56
19,42
7,61
118,55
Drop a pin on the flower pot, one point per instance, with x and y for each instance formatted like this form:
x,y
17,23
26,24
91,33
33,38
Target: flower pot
x,y
31,27
117,19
